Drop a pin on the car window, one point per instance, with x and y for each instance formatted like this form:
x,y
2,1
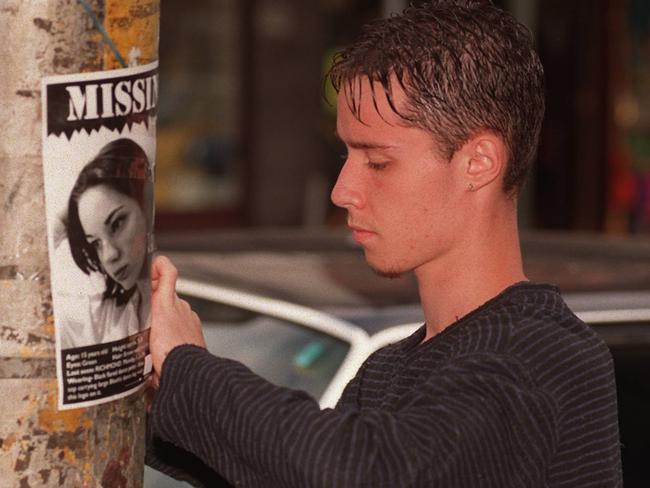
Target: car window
x,y
629,343
283,352
624,334
632,364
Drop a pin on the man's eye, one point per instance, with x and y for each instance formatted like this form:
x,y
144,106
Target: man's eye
x,y
376,166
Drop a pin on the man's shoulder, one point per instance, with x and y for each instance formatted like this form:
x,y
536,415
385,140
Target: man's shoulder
x,y
532,325
541,319
528,315
537,329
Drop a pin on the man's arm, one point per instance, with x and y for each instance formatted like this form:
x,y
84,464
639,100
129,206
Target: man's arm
x,y
462,429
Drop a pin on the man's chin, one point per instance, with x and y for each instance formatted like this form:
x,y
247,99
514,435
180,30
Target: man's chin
x,y
384,269
386,272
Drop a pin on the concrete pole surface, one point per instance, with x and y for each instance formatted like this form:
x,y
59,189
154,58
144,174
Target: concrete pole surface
x,y
39,445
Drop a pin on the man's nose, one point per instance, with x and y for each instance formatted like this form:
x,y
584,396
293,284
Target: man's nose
x,y
347,192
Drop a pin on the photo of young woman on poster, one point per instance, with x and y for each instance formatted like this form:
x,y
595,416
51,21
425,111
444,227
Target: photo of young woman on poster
x,y
108,228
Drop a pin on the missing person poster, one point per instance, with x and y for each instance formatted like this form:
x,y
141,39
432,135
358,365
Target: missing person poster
x,y
98,161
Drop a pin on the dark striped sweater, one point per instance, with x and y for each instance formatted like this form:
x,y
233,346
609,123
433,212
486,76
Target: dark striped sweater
x,y
517,393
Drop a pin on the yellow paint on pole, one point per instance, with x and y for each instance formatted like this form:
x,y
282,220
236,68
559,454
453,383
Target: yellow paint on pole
x,y
133,27
52,420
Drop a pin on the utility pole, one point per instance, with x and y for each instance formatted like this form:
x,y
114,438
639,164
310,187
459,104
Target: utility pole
x,y
98,446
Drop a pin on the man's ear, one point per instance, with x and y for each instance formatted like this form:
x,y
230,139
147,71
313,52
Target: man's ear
x,y
485,160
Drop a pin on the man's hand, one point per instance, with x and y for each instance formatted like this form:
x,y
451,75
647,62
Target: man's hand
x,y
173,322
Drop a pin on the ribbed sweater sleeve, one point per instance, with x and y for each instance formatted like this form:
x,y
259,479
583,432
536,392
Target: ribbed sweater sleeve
x,y
480,421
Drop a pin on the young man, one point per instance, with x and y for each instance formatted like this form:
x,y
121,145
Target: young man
x,y
440,110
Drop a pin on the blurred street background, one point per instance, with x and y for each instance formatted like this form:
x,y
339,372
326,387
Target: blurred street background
x,y
246,130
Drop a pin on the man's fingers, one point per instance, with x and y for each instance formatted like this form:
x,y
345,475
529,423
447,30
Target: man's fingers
x,y
155,275
155,278
163,278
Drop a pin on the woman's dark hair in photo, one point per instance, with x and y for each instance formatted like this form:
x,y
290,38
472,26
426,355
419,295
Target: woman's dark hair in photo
x,y
123,166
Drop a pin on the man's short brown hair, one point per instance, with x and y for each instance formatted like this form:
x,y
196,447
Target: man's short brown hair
x,y
465,66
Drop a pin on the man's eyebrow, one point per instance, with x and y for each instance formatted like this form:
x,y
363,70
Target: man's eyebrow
x,y
110,215
363,144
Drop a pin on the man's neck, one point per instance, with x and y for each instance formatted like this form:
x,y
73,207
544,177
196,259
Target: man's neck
x,y
469,276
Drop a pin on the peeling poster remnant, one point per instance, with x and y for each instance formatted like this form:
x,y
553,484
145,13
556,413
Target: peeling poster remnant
x,y
98,162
